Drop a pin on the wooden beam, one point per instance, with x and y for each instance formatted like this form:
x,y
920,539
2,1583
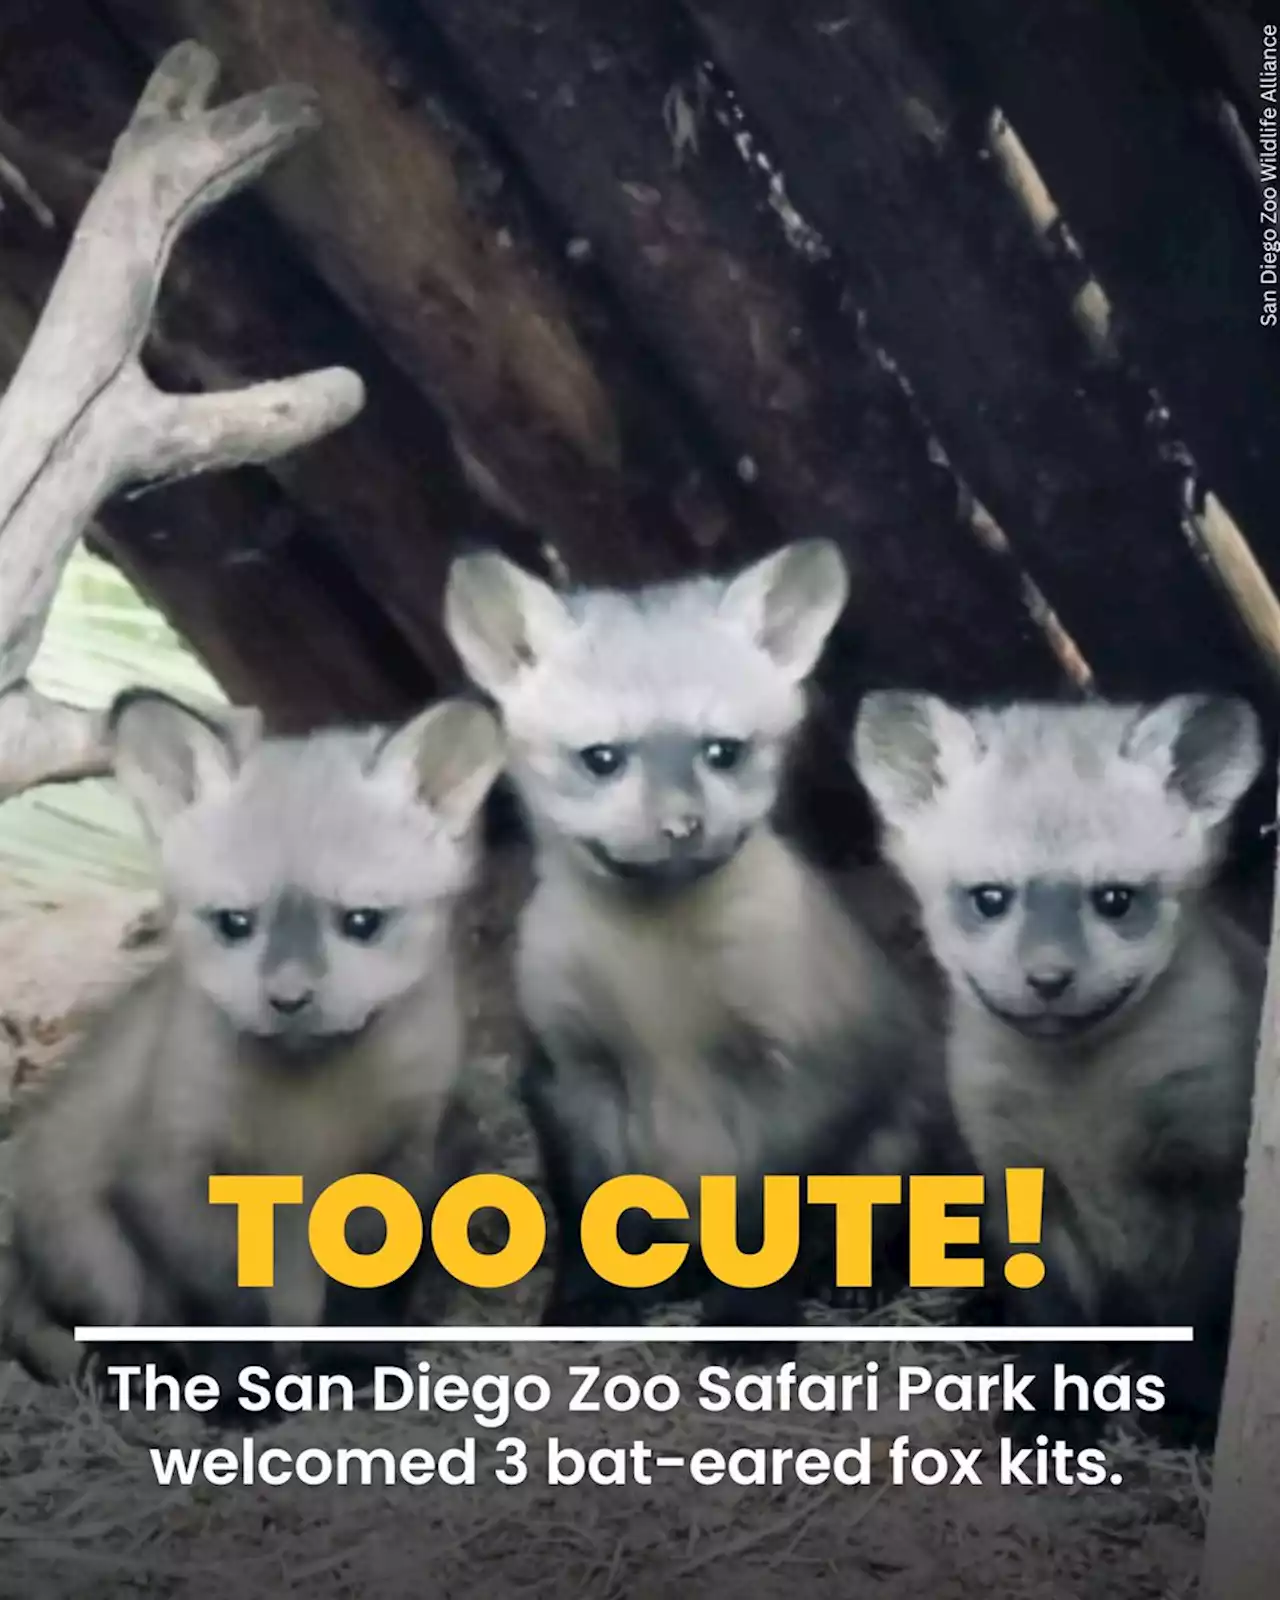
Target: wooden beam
x,y
410,218
614,118
877,150
1109,101
1242,1551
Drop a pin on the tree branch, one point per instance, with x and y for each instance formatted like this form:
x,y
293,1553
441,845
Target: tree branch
x,y
81,419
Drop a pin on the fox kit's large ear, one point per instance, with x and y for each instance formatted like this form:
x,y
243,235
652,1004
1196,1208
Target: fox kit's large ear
x,y
1207,748
167,755
789,602
448,758
907,747
500,618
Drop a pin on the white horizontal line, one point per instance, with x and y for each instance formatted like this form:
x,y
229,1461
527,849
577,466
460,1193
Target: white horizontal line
x,y
820,1334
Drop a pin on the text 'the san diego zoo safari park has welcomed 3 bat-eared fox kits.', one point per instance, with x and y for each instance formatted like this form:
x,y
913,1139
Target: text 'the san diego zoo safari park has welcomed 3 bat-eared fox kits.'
x,y
305,1021
1103,1015
698,1000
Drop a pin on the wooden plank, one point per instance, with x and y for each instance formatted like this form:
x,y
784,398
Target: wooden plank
x,y
1243,1541
1242,1549
1109,101
1231,35
409,218
282,623
616,122
877,152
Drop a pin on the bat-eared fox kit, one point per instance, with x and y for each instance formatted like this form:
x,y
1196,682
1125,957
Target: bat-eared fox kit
x,y
697,997
1103,1014
306,1020
698,1000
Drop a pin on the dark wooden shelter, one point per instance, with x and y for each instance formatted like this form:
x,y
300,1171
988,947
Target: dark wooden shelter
x,y
644,286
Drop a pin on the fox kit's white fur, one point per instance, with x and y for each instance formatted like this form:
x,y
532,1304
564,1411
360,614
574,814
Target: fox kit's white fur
x,y
304,1022
699,1000
1103,1018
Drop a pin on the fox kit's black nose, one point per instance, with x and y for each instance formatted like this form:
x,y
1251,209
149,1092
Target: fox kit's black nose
x,y
288,1005
682,830
1050,983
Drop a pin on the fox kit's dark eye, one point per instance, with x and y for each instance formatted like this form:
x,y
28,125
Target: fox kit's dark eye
x,y
991,900
363,925
1112,900
723,755
233,927
603,760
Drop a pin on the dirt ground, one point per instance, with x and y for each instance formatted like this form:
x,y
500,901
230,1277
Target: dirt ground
x,y
82,1516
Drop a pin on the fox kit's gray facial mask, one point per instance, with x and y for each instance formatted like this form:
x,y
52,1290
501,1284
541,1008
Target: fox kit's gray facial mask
x,y
311,881
648,730
1053,847
683,789
1059,946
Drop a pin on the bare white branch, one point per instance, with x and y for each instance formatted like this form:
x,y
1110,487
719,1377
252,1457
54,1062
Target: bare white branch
x,y
81,419
177,435
42,741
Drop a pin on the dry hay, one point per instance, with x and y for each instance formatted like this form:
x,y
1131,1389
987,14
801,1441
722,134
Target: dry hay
x,y
81,1515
